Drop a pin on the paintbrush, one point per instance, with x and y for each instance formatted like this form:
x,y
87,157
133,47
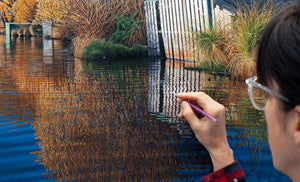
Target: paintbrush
x,y
197,109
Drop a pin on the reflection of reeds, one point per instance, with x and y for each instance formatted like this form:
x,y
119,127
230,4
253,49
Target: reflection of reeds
x,y
97,128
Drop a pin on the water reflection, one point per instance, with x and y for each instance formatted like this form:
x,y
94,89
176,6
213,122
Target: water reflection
x,y
117,121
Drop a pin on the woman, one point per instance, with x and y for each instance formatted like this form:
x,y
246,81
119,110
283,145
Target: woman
x,y
278,82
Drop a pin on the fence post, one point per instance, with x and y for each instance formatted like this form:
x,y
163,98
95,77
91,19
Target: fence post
x,y
47,29
160,37
209,8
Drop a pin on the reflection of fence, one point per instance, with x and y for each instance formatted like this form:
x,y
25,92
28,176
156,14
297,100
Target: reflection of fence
x,y
166,78
174,20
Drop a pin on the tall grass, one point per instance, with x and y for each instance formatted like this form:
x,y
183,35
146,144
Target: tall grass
x,y
211,43
237,46
249,22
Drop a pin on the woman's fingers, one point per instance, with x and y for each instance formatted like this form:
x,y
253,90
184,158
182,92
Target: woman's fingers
x,y
201,98
189,115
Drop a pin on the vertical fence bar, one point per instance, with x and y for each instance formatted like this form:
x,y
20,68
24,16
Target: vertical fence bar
x,y
170,30
188,20
163,26
192,10
202,15
172,27
181,25
177,27
168,27
160,37
155,28
198,24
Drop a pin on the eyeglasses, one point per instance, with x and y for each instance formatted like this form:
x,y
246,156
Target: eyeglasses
x,y
259,94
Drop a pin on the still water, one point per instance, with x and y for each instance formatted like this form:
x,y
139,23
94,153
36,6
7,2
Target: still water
x,y
66,119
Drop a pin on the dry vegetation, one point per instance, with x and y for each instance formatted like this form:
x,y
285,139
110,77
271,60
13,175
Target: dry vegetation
x,y
237,46
97,20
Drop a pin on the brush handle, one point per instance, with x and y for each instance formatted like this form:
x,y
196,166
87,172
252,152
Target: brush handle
x,y
199,110
202,112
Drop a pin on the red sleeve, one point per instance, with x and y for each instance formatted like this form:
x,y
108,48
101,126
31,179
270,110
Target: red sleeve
x,y
230,173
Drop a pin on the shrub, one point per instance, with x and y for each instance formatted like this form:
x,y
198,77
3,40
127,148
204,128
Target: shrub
x,y
101,49
125,27
139,50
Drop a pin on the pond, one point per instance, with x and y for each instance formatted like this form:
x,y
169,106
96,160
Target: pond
x,y
66,119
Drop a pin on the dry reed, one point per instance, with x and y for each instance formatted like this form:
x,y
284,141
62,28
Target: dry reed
x,y
249,22
96,18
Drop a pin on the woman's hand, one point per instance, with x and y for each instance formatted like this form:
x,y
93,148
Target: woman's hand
x,y
211,135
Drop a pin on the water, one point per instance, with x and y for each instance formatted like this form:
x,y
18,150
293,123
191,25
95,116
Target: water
x,y
67,119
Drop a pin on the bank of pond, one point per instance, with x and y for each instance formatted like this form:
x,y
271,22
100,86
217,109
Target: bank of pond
x,y
101,49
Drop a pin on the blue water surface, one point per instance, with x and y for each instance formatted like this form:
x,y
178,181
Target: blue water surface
x,y
66,119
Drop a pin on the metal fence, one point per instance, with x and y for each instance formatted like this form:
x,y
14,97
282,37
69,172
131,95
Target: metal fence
x,y
174,21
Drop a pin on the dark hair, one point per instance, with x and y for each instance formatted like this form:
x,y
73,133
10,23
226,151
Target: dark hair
x,y
278,57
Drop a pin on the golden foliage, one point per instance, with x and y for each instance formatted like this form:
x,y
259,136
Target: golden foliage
x,y
5,8
24,10
54,10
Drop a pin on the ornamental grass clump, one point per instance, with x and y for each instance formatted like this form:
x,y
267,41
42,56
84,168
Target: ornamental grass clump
x,y
237,46
249,22
211,44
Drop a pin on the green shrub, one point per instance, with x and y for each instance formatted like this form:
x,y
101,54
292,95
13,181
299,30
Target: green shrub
x,y
101,49
125,27
139,50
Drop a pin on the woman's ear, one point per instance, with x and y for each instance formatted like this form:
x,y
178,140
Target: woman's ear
x,y
297,126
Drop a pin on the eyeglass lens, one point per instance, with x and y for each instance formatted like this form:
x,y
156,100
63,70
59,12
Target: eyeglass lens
x,y
260,97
